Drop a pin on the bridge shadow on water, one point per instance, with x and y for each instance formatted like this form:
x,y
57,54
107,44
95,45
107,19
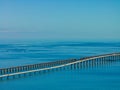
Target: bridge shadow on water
x,y
85,65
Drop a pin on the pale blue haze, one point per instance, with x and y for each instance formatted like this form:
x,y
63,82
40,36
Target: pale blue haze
x,y
60,20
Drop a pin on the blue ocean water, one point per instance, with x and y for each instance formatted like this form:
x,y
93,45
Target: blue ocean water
x,y
106,77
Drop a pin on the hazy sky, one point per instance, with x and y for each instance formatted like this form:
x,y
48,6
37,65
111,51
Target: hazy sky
x,y
60,20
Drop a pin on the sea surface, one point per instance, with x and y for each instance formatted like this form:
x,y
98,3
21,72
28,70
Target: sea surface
x,y
105,77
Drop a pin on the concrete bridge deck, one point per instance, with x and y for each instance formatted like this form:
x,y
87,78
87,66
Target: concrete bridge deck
x,y
22,70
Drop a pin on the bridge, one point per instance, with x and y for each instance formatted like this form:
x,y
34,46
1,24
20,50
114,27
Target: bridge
x,y
20,71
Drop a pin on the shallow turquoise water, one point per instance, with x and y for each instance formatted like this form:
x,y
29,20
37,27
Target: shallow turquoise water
x,y
103,77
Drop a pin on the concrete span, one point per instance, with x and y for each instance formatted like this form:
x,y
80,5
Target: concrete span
x,y
18,71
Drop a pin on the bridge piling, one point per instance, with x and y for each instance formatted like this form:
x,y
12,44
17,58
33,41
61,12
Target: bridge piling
x,y
22,71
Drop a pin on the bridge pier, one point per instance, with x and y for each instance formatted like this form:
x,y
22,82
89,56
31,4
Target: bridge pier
x,y
14,72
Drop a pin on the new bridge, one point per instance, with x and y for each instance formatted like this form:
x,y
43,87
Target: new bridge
x,y
21,71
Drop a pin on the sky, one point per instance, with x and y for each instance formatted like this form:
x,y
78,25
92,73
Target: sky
x,y
85,20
